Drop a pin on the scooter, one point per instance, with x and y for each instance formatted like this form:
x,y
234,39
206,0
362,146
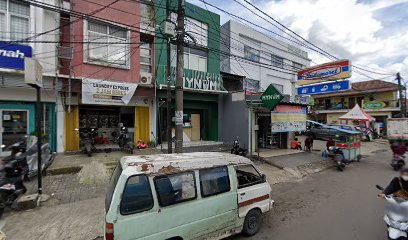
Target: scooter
x,y
87,141
24,152
125,143
11,185
237,150
398,161
396,217
338,157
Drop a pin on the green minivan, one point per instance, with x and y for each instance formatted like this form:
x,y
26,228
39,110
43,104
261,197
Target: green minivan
x,y
202,195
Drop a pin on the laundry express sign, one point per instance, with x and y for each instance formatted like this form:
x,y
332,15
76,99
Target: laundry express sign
x,y
324,72
107,93
12,55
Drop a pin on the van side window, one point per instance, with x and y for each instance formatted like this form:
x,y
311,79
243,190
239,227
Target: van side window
x,y
175,188
214,181
137,196
247,176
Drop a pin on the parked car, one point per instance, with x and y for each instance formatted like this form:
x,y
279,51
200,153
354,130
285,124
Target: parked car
x,y
185,196
324,132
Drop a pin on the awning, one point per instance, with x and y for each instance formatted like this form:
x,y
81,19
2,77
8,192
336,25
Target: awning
x,y
358,114
335,128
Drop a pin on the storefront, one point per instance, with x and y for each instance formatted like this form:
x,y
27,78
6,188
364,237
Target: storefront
x,y
107,106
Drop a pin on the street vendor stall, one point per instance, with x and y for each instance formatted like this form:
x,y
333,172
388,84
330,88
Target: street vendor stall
x,y
361,119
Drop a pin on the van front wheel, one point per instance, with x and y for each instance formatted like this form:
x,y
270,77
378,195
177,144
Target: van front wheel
x,y
252,223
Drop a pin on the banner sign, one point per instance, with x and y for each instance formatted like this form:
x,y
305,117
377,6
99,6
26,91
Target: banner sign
x,y
324,72
324,88
374,105
304,99
12,55
286,118
106,92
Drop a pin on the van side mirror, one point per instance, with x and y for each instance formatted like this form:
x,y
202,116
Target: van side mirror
x,y
263,178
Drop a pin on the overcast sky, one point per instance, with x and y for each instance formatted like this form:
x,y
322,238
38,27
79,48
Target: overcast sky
x,y
371,33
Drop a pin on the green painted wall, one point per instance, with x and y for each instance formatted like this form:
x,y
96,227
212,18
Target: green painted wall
x,y
206,103
199,14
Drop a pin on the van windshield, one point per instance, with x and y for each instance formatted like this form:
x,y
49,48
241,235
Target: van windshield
x,y
112,184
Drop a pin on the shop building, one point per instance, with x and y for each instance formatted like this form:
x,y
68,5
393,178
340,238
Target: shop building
x,y
262,60
202,80
107,71
378,99
20,20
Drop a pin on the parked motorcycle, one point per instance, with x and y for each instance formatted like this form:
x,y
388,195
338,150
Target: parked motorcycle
x,y
338,157
125,142
396,217
87,140
24,152
237,150
11,185
398,161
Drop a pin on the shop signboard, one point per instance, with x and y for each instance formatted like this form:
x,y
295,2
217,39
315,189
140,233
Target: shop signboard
x,y
374,105
199,80
324,88
271,97
304,99
287,118
106,92
325,72
12,55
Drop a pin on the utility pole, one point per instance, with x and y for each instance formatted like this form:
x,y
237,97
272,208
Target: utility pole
x,y
403,104
179,77
169,137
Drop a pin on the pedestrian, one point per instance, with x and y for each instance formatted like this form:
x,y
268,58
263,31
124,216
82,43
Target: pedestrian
x,y
398,147
295,144
309,143
398,186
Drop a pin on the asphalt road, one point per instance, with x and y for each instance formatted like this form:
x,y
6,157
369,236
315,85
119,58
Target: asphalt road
x,y
331,205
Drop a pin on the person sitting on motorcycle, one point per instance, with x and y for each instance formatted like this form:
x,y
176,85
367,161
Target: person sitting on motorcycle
x,y
295,144
330,143
398,186
398,147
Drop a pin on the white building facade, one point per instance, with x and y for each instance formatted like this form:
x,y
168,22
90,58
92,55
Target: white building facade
x,y
263,59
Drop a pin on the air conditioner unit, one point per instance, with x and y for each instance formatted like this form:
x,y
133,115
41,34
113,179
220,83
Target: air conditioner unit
x,y
145,78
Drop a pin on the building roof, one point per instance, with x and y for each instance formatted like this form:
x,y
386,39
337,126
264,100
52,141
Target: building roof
x,y
372,86
173,163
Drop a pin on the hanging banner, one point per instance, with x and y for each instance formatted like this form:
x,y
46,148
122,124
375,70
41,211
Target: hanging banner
x,y
325,72
324,88
286,118
106,92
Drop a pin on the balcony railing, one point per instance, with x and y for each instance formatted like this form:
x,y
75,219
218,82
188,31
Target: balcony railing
x,y
345,105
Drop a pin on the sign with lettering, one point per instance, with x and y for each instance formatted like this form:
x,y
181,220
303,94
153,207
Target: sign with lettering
x,y
304,99
12,55
199,80
324,88
271,97
374,105
107,93
287,118
325,72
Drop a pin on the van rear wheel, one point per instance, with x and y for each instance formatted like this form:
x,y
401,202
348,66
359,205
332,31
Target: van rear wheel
x,y
252,223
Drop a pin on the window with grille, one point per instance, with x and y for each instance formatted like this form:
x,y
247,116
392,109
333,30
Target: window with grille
x,y
14,20
198,30
107,44
277,61
146,57
297,66
251,54
194,59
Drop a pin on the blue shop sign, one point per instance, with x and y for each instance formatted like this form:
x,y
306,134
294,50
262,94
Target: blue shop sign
x,y
12,55
324,88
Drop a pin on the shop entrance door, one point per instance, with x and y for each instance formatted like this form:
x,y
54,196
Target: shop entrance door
x,y
13,126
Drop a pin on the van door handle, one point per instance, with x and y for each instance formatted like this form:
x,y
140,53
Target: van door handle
x,y
242,194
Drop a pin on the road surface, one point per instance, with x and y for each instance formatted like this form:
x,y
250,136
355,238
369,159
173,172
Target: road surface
x,y
331,205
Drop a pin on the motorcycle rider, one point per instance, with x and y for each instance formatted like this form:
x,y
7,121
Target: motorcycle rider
x,y
330,143
398,147
398,186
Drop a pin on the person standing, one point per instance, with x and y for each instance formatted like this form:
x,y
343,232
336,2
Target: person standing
x,y
309,143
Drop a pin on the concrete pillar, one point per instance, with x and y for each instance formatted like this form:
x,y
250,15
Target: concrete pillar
x,y
60,124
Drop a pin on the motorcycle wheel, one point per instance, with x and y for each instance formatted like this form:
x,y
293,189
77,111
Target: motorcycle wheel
x,y
397,167
340,167
89,153
1,212
131,151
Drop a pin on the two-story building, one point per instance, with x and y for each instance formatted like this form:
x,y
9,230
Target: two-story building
x,y
259,60
202,80
107,68
22,35
377,98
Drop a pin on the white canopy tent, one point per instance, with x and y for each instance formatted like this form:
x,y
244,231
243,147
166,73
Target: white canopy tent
x,y
357,114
